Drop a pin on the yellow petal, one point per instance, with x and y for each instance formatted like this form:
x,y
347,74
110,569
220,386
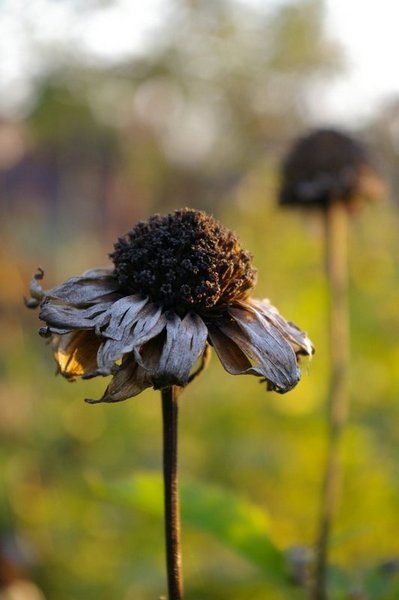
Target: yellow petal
x,y
76,353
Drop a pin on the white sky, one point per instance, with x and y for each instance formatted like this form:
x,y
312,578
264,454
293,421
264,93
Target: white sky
x,y
367,29
114,30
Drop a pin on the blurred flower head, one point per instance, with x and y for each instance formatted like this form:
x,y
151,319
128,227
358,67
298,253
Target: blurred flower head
x,y
327,165
179,284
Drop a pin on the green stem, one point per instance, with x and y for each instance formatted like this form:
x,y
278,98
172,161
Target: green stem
x,y
336,225
171,494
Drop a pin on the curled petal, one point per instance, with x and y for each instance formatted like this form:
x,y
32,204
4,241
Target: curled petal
x,y
109,352
273,356
185,342
87,289
35,290
121,316
149,324
130,380
61,318
152,321
76,353
298,338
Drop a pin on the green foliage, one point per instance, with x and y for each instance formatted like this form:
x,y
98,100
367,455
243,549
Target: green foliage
x,y
232,520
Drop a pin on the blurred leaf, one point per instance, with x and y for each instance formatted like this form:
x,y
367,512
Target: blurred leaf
x,y
236,522
338,583
381,584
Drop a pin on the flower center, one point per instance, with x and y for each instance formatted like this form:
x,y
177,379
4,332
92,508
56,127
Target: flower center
x,y
323,166
185,260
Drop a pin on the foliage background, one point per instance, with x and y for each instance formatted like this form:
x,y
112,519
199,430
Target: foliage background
x,y
200,118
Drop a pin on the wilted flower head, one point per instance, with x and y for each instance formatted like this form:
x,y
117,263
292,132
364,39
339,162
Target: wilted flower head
x,y
327,165
179,283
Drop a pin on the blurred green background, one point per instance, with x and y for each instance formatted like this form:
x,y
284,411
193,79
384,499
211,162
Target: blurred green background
x,y
199,117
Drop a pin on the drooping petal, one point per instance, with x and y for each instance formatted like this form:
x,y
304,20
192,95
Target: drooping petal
x,y
130,380
61,318
108,354
150,354
145,325
87,289
273,356
150,324
232,358
121,316
184,343
298,338
76,353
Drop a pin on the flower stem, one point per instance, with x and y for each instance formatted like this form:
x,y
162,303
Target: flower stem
x,y
171,494
336,225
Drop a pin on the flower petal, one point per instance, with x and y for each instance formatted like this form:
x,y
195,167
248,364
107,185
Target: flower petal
x,y
91,288
63,318
185,341
121,316
148,325
232,358
35,289
298,338
76,353
130,380
98,272
274,357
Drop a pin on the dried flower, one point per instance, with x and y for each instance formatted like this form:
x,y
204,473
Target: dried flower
x,y
179,283
327,165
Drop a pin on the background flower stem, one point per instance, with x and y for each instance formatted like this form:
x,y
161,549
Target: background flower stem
x,y
171,493
336,226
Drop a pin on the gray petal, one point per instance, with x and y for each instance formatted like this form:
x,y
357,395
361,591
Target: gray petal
x,y
84,290
121,316
152,321
185,341
62,317
108,353
273,356
46,332
298,338
98,272
129,381
149,324
35,289
230,355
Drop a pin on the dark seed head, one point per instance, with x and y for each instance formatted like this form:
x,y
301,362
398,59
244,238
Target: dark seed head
x,y
323,166
186,261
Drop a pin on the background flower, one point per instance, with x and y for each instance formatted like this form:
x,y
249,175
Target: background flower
x,y
327,165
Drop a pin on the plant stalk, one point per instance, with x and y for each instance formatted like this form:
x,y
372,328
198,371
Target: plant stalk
x,y
171,493
336,234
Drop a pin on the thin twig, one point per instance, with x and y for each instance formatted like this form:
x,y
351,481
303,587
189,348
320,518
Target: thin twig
x,y
336,223
171,493
206,355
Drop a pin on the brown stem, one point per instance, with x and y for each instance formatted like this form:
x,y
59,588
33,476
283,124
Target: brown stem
x,y
171,494
336,225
